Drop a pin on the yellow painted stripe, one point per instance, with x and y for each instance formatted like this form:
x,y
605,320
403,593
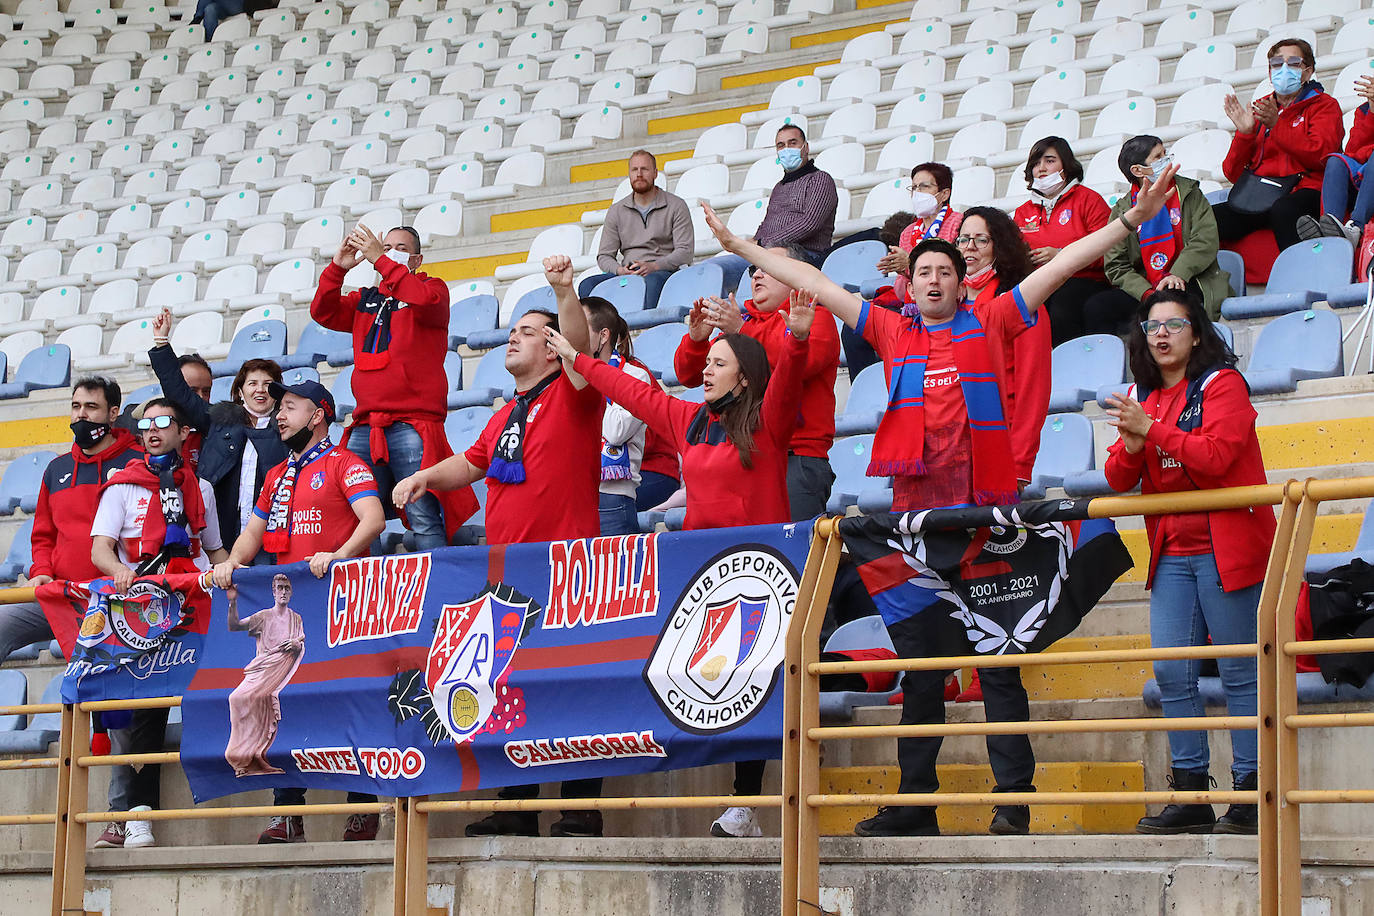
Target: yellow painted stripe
x,y
701,119
831,36
468,268
616,168
776,75
544,216
32,433
871,4
1316,444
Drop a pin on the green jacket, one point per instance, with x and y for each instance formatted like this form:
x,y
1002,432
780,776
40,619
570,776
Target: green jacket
x,y
1198,259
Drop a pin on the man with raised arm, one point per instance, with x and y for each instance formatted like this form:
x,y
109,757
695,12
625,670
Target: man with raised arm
x,y
541,457
400,336
944,441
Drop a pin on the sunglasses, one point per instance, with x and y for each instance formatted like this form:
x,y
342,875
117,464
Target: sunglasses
x,y
161,422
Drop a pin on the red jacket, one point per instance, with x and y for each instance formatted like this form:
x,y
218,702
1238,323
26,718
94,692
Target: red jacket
x,y
1079,211
659,455
814,429
721,491
1024,382
67,500
1223,451
1299,141
1360,145
412,384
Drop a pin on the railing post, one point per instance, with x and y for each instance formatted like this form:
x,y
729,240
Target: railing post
x,y
74,849
62,829
417,857
398,868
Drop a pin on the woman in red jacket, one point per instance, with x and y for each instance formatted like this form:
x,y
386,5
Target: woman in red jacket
x,y
1188,424
1288,132
1344,176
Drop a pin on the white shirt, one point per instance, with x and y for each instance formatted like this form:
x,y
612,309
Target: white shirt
x,y
123,508
248,472
619,427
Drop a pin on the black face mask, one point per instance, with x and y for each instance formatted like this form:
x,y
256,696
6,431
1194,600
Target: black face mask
x,y
88,433
722,402
298,440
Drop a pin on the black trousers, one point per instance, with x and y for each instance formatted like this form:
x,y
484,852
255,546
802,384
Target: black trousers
x,y
569,788
1282,218
1065,307
147,735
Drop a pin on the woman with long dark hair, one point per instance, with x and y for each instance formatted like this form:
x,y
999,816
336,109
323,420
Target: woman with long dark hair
x,y
1061,210
1188,424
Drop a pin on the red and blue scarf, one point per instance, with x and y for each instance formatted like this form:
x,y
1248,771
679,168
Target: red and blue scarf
x,y
615,459
898,446
1161,237
277,537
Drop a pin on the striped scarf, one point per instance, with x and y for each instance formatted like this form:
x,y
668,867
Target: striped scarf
x,y
903,425
1161,238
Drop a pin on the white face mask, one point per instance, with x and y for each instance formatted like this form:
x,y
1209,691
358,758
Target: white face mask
x,y
1048,185
399,256
923,204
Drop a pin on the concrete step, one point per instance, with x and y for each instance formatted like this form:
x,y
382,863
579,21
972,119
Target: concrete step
x,y
1079,776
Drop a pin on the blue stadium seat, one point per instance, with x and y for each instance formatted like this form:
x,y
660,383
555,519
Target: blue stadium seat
x,y
295,376
42,730
342,390
1293,347
4,365
45,367
1312,688
14,691
463,426
489,382
222,388
625,293
474,529
674,518
470,315
685,286
1079,367
697,395
875,499
1364,548
29,652
453,368
849,459
648,521
259,340
143,393
316,344
1233,264
853,264
1302,274
865,633
22,478
866,404
1066,447
655,348
1351,295
540,298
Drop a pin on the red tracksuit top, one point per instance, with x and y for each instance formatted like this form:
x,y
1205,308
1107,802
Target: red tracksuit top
x,y
814,429
721,492
1079,211
413,383
67,500
1222,452
1024,382
1299,141
1361,143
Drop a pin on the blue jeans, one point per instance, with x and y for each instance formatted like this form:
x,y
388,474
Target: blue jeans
x,y
1336,188
654,488
618,515
653,286
405,452
1186,604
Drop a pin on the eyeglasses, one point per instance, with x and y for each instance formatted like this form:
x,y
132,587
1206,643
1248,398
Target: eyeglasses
x,y
924,187
977,241
1171,326
1297,63
161,422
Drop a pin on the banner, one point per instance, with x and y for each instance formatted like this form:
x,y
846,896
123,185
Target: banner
x,y
475,667
988,581
142,643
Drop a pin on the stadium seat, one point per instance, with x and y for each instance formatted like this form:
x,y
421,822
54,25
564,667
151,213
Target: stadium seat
x,y
470,315
540,297
865,633
1066,447
342,390
19,557
1293,347
850,265
463,426
489,382
849,458
684,287
258,340
316,343
21,480
1364,548
1234,265
1301,276
655,348
866,405
1079,368
43,367
625,293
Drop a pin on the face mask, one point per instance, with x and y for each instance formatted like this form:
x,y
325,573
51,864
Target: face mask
x,y
923,204
298,440
1159,165
1048,185
88,433
722,402
1286,80
790,157
399,256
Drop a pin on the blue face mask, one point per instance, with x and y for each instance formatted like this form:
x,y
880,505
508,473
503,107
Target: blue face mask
x,y
1159,165
1286,80
790,158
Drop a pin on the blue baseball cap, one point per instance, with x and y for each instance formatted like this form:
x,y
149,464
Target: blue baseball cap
x,y
309,389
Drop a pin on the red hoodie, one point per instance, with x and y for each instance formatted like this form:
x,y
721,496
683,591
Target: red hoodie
x,y
815,427
1222,451
410,383
1299,141
1077,212
1024,382
1361,143
67,501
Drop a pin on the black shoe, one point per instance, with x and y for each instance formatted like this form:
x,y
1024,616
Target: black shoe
x,y
893,821
1182,818
577,823
505,823
1010,820
1308,228
1242,819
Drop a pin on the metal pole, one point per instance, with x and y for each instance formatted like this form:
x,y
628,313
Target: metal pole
x,y
63,827
74,869
417,859
398,861
809,763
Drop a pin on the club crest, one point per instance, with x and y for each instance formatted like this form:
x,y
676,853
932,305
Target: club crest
x,y
139,619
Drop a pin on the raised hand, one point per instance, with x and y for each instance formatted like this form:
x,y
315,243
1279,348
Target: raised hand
x,y
1152,195
560,345
1239,114
894,262
697,327
347,256
366,242
1130,420
722,315
1266,111
558,270
162,324
801,311
1364,86
723,235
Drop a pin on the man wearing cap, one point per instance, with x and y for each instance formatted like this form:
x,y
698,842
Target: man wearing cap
x,y
318,505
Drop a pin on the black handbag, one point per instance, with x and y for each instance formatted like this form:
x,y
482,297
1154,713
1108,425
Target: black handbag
x,y
1256,194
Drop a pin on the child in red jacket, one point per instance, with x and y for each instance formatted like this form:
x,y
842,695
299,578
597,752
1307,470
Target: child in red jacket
x,y
1344,176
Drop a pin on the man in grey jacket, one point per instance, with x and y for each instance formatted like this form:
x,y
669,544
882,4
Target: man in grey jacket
x,y
650,230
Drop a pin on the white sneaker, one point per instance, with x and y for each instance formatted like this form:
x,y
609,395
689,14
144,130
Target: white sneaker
x,y
1353,232
737,821
138,834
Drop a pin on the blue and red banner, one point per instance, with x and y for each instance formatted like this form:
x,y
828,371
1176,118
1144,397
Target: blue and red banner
x,y
476,667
